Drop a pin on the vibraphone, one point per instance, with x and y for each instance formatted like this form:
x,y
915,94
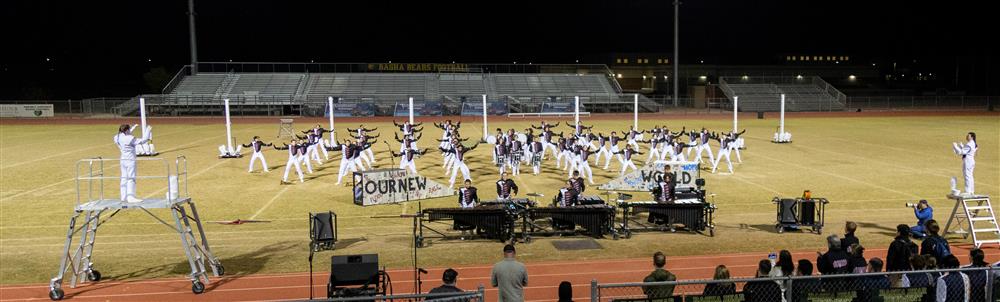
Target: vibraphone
x,y
511,202
595,220
495,221
589,200
694,214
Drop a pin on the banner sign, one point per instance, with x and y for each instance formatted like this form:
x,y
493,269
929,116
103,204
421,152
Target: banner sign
x,y
646,177
26,110
420,108
420,67
352,109
560,107
474,108
389,186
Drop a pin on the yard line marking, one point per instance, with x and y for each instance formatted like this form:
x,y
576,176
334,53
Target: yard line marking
x,y
838,176
743,179
890,165
269,202
72,151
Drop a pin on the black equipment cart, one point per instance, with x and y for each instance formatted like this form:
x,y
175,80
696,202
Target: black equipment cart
x,y
800,212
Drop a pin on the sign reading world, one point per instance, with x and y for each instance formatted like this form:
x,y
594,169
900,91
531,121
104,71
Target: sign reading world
x,y
388,186
646,177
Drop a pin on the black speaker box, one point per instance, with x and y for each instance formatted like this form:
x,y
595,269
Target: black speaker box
x,y
354,270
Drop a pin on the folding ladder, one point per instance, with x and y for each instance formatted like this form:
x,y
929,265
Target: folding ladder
x,y
977,212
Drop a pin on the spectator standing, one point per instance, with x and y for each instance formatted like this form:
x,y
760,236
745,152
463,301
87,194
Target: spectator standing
x,y
978,279
849,228
900,251
834,261
856,259
659,274
509,276
934,244
952,286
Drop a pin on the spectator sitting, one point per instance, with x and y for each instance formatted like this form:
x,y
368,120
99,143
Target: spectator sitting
x,y
763,290
977,279
931,264
723,288
856,259
565,291
952,286
802,287
449,278
934,244
869,286
918,280
785,266
849,228
509,276
659,274
924,212
834,261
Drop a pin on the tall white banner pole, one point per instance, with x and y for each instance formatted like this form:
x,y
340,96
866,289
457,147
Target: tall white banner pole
x,y
576,114
635,116
411,110
736,101
142,114
781,121
485,132
329,104
229,132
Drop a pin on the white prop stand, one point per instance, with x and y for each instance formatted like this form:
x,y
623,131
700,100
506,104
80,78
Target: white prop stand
x,y
411,110
227,151
485,132
576,112
333,137
635,114
781,136
736,109
146,149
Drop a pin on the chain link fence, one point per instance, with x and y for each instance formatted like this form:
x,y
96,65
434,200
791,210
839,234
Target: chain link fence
x,y
965,284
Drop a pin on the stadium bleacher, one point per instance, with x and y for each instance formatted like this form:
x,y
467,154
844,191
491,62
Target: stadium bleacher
x,y
764,94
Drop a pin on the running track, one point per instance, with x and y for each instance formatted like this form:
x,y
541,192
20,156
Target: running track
x,y
543,280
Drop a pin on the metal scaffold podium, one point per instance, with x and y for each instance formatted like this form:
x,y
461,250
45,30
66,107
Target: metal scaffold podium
x,y
976,213
91,205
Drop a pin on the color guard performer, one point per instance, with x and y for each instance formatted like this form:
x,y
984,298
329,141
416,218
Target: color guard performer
x,y
257,146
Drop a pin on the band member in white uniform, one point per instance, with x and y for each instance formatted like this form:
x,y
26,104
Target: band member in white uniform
x,y
303,155
407,157
613,143
257,146
738,144
459,165
582,163
703,139
578,128
632,135
318,131
313,144
293,160
126,144
408,141
514,156
407,128
602,147
362,135
347,160
726,145
627,158
537,151
968,153
655,144
506,187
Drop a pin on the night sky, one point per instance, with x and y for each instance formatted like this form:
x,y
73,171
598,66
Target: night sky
x,y
103,48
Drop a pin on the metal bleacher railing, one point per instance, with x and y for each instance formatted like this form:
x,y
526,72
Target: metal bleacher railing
x,y
909,286
801,93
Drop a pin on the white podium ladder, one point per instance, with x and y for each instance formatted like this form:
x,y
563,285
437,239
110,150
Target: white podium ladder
x,y
979,215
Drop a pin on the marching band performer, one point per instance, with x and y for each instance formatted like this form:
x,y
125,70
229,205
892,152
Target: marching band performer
x,y
626,157
500,152
577,183
655,144
738,144
578,128
407,128
582,163
968,153
515,156
322,144
257,145
408,141
537,151
505,187
567,196
613,141
602,147
459,152
361,134
347,159
664,190
703,138
293,160
633,135
467,196
303,155
313,143
726,145
406,158
126,144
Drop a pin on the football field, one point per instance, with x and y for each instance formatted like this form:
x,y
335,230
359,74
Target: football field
x,y
867,166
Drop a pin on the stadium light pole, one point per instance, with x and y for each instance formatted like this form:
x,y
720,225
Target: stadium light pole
x,y
194,44
677,61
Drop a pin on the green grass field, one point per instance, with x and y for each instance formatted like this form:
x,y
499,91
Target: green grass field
x,y
866,166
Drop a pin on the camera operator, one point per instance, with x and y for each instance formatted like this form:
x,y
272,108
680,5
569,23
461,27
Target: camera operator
x,y
924,212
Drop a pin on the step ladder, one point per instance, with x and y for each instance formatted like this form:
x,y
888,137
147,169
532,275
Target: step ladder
x,y
977,212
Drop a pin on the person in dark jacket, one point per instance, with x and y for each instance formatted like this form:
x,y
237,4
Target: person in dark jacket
x,y
934,244
449,279
900,250
802,287
978,279
723,288
565,292
659,274
849,228
856,259
834,261
763,290
952,286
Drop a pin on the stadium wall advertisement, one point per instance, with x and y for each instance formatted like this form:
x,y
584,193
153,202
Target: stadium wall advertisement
x,y
420,108
352,109
645,178
560,107
472,108
26,110
389,186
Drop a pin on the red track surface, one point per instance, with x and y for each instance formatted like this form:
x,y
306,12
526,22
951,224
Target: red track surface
x,y
543,280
